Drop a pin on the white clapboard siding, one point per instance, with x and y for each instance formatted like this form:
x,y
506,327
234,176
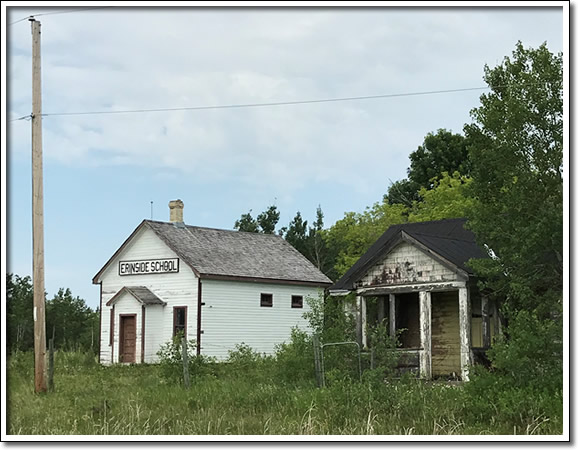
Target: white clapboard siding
x,y
154,335
407,264
176,289
232,315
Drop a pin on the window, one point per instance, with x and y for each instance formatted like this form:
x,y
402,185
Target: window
x,y
179,320
296,301
267,300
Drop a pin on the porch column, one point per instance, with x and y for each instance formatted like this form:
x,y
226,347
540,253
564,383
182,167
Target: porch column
x,y
380,309
348,307
485,323
465,330
392,316
361,321
425,334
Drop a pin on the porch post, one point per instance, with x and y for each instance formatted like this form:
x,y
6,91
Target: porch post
x,y
425,334
392,316
485,323
465,330
361,321
380,309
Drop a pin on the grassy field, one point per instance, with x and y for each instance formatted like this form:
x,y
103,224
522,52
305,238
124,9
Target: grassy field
x,y
243,399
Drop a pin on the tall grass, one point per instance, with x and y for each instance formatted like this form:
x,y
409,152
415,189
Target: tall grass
x,y
249,396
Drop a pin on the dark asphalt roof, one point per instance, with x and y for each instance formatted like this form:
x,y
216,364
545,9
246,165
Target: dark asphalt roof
x,y
215,253
141,293
448,238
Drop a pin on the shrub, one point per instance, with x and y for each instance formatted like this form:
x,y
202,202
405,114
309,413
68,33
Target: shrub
x,y
294,361
244,362
171,360
532,353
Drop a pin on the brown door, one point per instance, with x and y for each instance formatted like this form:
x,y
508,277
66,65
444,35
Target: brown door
x,y
127,339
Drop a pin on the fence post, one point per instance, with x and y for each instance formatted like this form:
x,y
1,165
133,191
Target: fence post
x,y
51,365
372,358
185,363
317,363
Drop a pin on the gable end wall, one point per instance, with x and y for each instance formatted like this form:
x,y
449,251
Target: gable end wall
x,y
406,264
176,289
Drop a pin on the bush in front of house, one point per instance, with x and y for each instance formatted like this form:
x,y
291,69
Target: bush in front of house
x,y
171,360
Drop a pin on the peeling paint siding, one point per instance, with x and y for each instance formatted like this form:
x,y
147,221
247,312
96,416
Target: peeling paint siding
x,y
407,264
446,350
392,325
465,325
232,315
176,289
425,334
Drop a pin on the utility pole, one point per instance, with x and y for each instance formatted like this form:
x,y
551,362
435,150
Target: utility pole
x,y
37,216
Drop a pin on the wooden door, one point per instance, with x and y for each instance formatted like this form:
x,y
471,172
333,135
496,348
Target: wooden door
x,y
445,334
127,350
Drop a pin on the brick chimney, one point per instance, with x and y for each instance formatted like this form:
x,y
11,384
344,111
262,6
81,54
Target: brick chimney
x,y
176,208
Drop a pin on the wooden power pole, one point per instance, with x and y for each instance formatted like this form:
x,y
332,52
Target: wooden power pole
x,y
37,217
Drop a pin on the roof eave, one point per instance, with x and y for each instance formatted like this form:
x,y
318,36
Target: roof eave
x,y
209,276
95,279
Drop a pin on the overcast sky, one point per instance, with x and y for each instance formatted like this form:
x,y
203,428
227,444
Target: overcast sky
x,y
101,172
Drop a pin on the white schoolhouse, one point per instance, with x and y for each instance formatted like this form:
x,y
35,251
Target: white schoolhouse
x,y
219,287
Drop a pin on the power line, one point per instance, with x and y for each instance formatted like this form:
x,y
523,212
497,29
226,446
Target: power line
x,y
256,105
27,117
59,12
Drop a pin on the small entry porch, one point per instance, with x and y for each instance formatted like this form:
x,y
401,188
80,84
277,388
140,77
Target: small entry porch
x,y
432,322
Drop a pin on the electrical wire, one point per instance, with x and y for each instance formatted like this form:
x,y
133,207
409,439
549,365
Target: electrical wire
x,y
27,117
258,105
59,12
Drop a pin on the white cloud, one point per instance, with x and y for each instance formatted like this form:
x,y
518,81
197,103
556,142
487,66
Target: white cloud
x,y
115,60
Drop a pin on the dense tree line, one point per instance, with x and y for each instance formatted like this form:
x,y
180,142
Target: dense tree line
x,y
71,323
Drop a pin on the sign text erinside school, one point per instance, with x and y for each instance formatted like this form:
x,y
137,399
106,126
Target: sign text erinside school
x,y
148,266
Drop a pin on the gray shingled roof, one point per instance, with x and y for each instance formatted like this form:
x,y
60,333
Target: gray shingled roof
x,y
225,253
141,293
144,295
448,238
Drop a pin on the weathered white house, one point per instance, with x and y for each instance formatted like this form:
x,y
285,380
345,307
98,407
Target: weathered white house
x,y
418,277
219,287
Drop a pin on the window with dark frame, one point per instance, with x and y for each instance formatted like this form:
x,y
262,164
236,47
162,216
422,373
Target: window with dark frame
x,y
296,301
179,320
267,300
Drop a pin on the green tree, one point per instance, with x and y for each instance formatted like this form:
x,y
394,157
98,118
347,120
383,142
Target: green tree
x,y
440,152
247,223
265,222
74,324
319,251
350,237
19,318
296,234
268,220
447,199
308,240
403,192
516,154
